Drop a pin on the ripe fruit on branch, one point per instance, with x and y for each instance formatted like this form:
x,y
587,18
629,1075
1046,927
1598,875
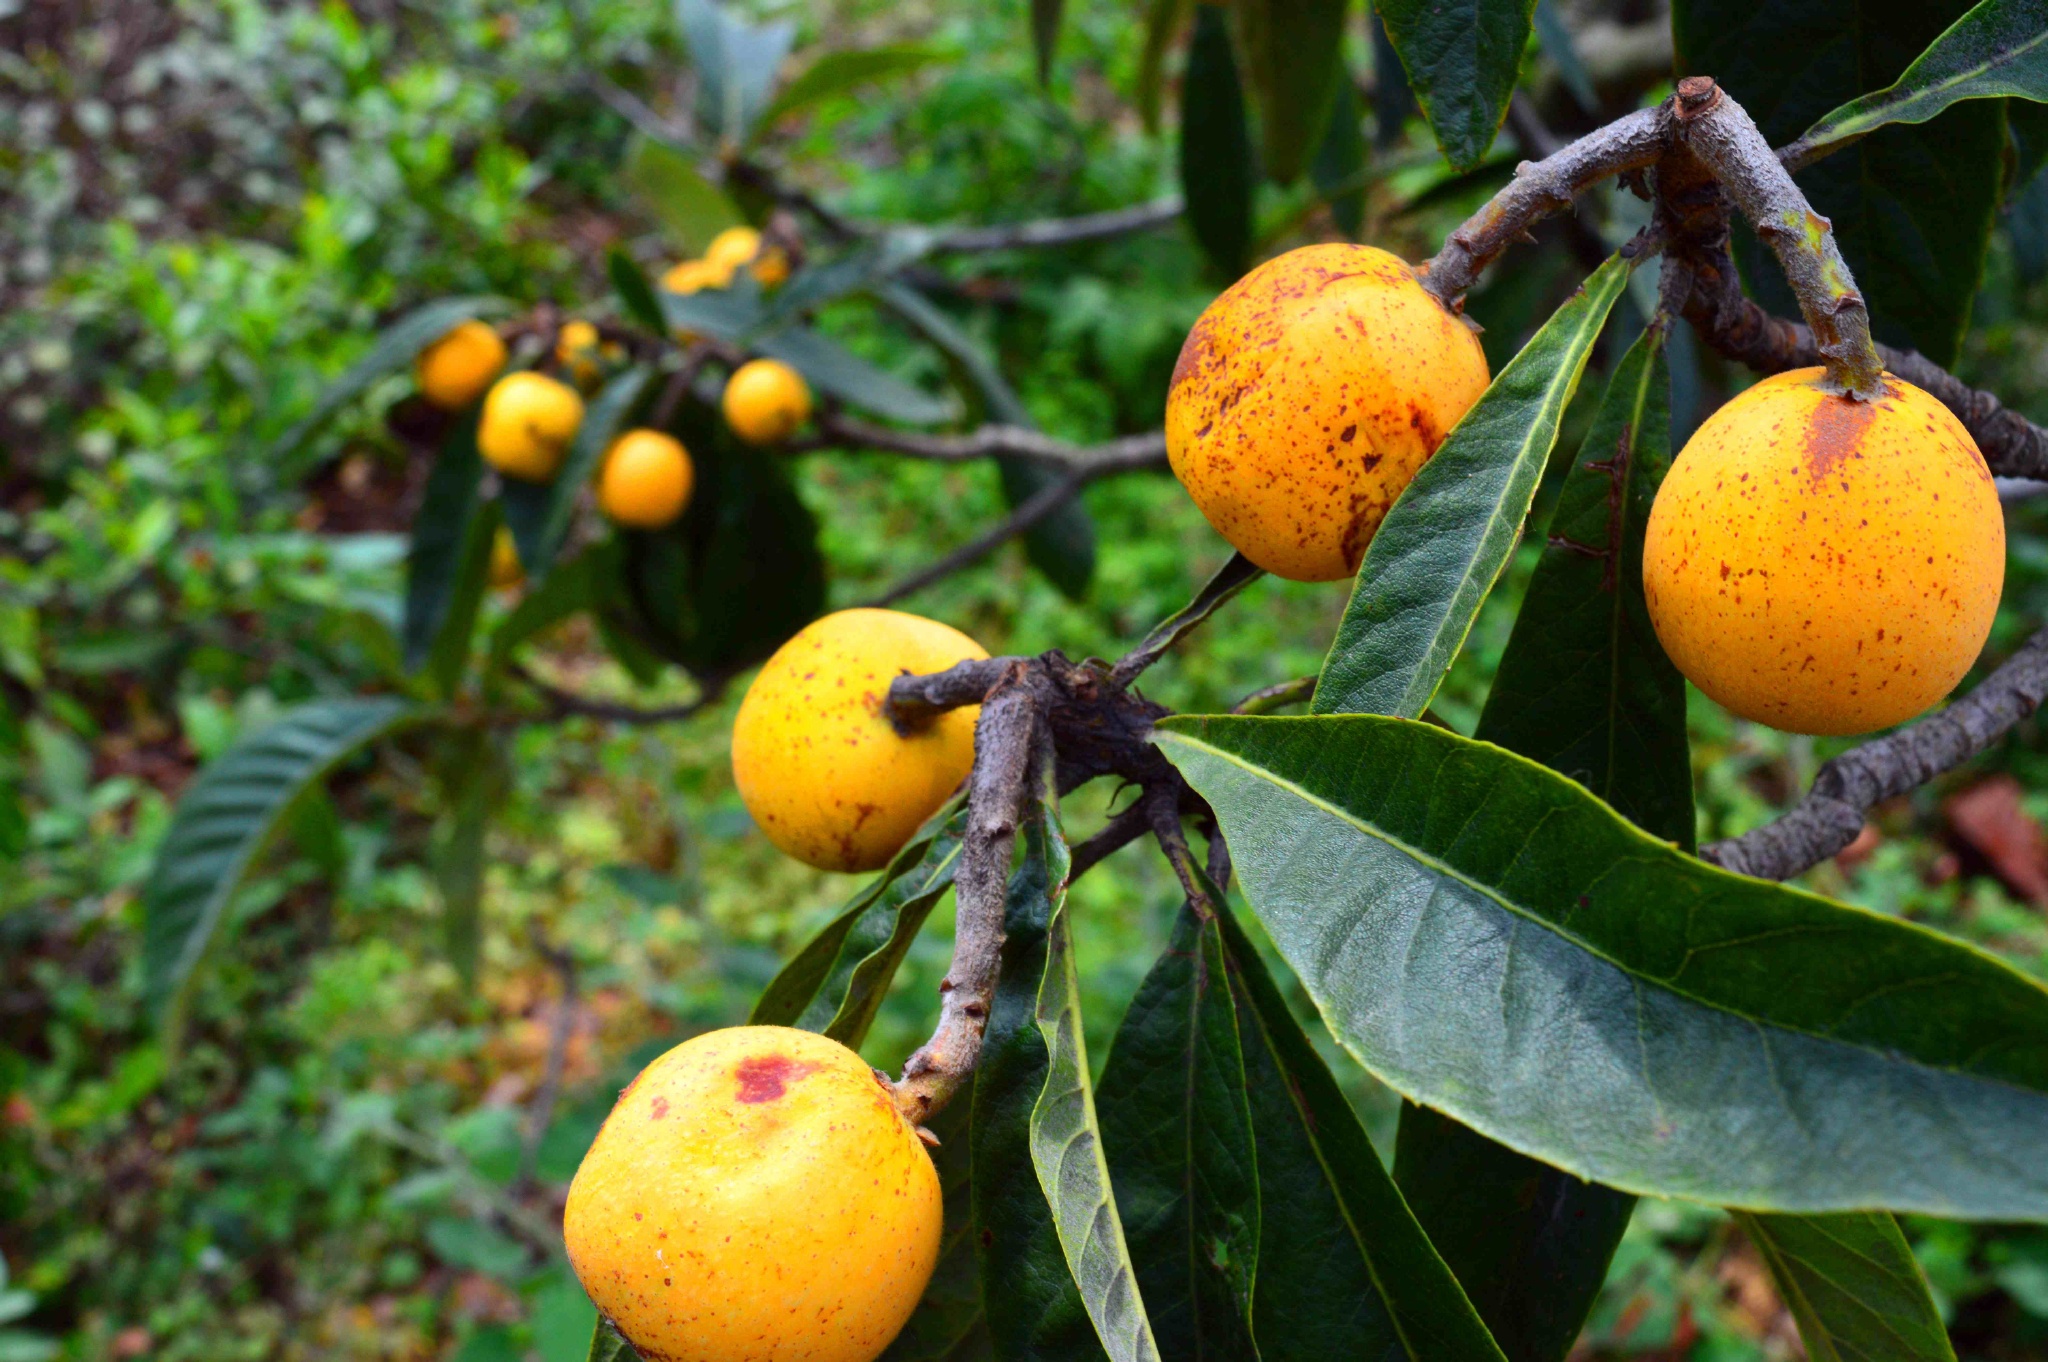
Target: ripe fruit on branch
x,y
506,570
737,246
817,761
528,422
1305,398
755,1194
454,371
578,350
1825,565
765,401
646,479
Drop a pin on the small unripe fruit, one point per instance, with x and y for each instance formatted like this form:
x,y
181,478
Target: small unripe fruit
x,y
1825,565
528,423
817,762
454,371
1305,398
765,401
755,1195
506,570
646,479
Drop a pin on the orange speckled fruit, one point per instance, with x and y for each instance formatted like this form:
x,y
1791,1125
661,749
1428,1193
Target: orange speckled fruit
x,y
755,1197
820,767
527,425
765,401
646,479
454,371
1306,397
1824,565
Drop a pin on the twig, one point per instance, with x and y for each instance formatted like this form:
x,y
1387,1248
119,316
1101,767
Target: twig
x,y
1010,742
914,701
635,111
1029,512
1266,699
542,1113
1537,191
1059,231
836,429
562,704
1233,577
1832,813
696,355
1118,833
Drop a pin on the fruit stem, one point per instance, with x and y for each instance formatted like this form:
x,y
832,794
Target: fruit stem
x,y
1720,132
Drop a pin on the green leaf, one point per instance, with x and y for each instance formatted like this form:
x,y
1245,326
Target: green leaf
x,y
1164,20
1912,205
471,780
448,659
693,209
568,590
738,573
836,984
1344,1269
1178,1139
440,529
1339,168
1493,941
948,1325
835,73
607,1345
736,64
1293,54
228,814
396,347
1062,545
2000,47
1584,688
831,368
1462,58
1436,555
1854,1286
1216,173
1066,1140
1045,34
636,294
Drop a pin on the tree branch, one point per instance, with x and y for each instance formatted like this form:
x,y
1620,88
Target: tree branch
x,y
914,701
1233,577
1266,699
1058,231
562,704
1131,451
1832,813
1118,833
541,1114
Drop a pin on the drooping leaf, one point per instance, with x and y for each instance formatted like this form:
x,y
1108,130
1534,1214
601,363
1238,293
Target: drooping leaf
x,y
470,784
948,1325
1293,54
1344,1269
736,64
1493,941
1998,48
448,658
1045,34
693,209
228,813
831,368
738,573
636,294
394,350
1178,1139
1912,205
1062,545
1462,58
1339,168
1436,555
1852,1283
1066,1140
1584,688
835,73
732,313
1164,21
1216,172
440,529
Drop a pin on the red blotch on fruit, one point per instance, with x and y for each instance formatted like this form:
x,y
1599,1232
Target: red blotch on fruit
x,y
764,1078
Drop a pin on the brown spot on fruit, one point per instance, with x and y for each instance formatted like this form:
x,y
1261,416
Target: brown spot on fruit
x,y
1833,432
658,1108
765,1078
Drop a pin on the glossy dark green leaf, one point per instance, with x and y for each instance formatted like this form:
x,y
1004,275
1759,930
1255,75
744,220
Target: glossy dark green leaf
x,y
1178,1138
1045,34
394,350
738,573
606,1345
1585,689
226,816
736,64
1062,545
1032,1305
448,658
1339,168
636,294
693,209
1344,1269
1216,172
1392,100
1912,205
1164,21
1293,53
1436,555
947,1325
1493,941
1462,58
835,73
1998,48
1852,1283
440,529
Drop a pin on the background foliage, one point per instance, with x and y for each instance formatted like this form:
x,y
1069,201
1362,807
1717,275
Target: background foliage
x,y
207,210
